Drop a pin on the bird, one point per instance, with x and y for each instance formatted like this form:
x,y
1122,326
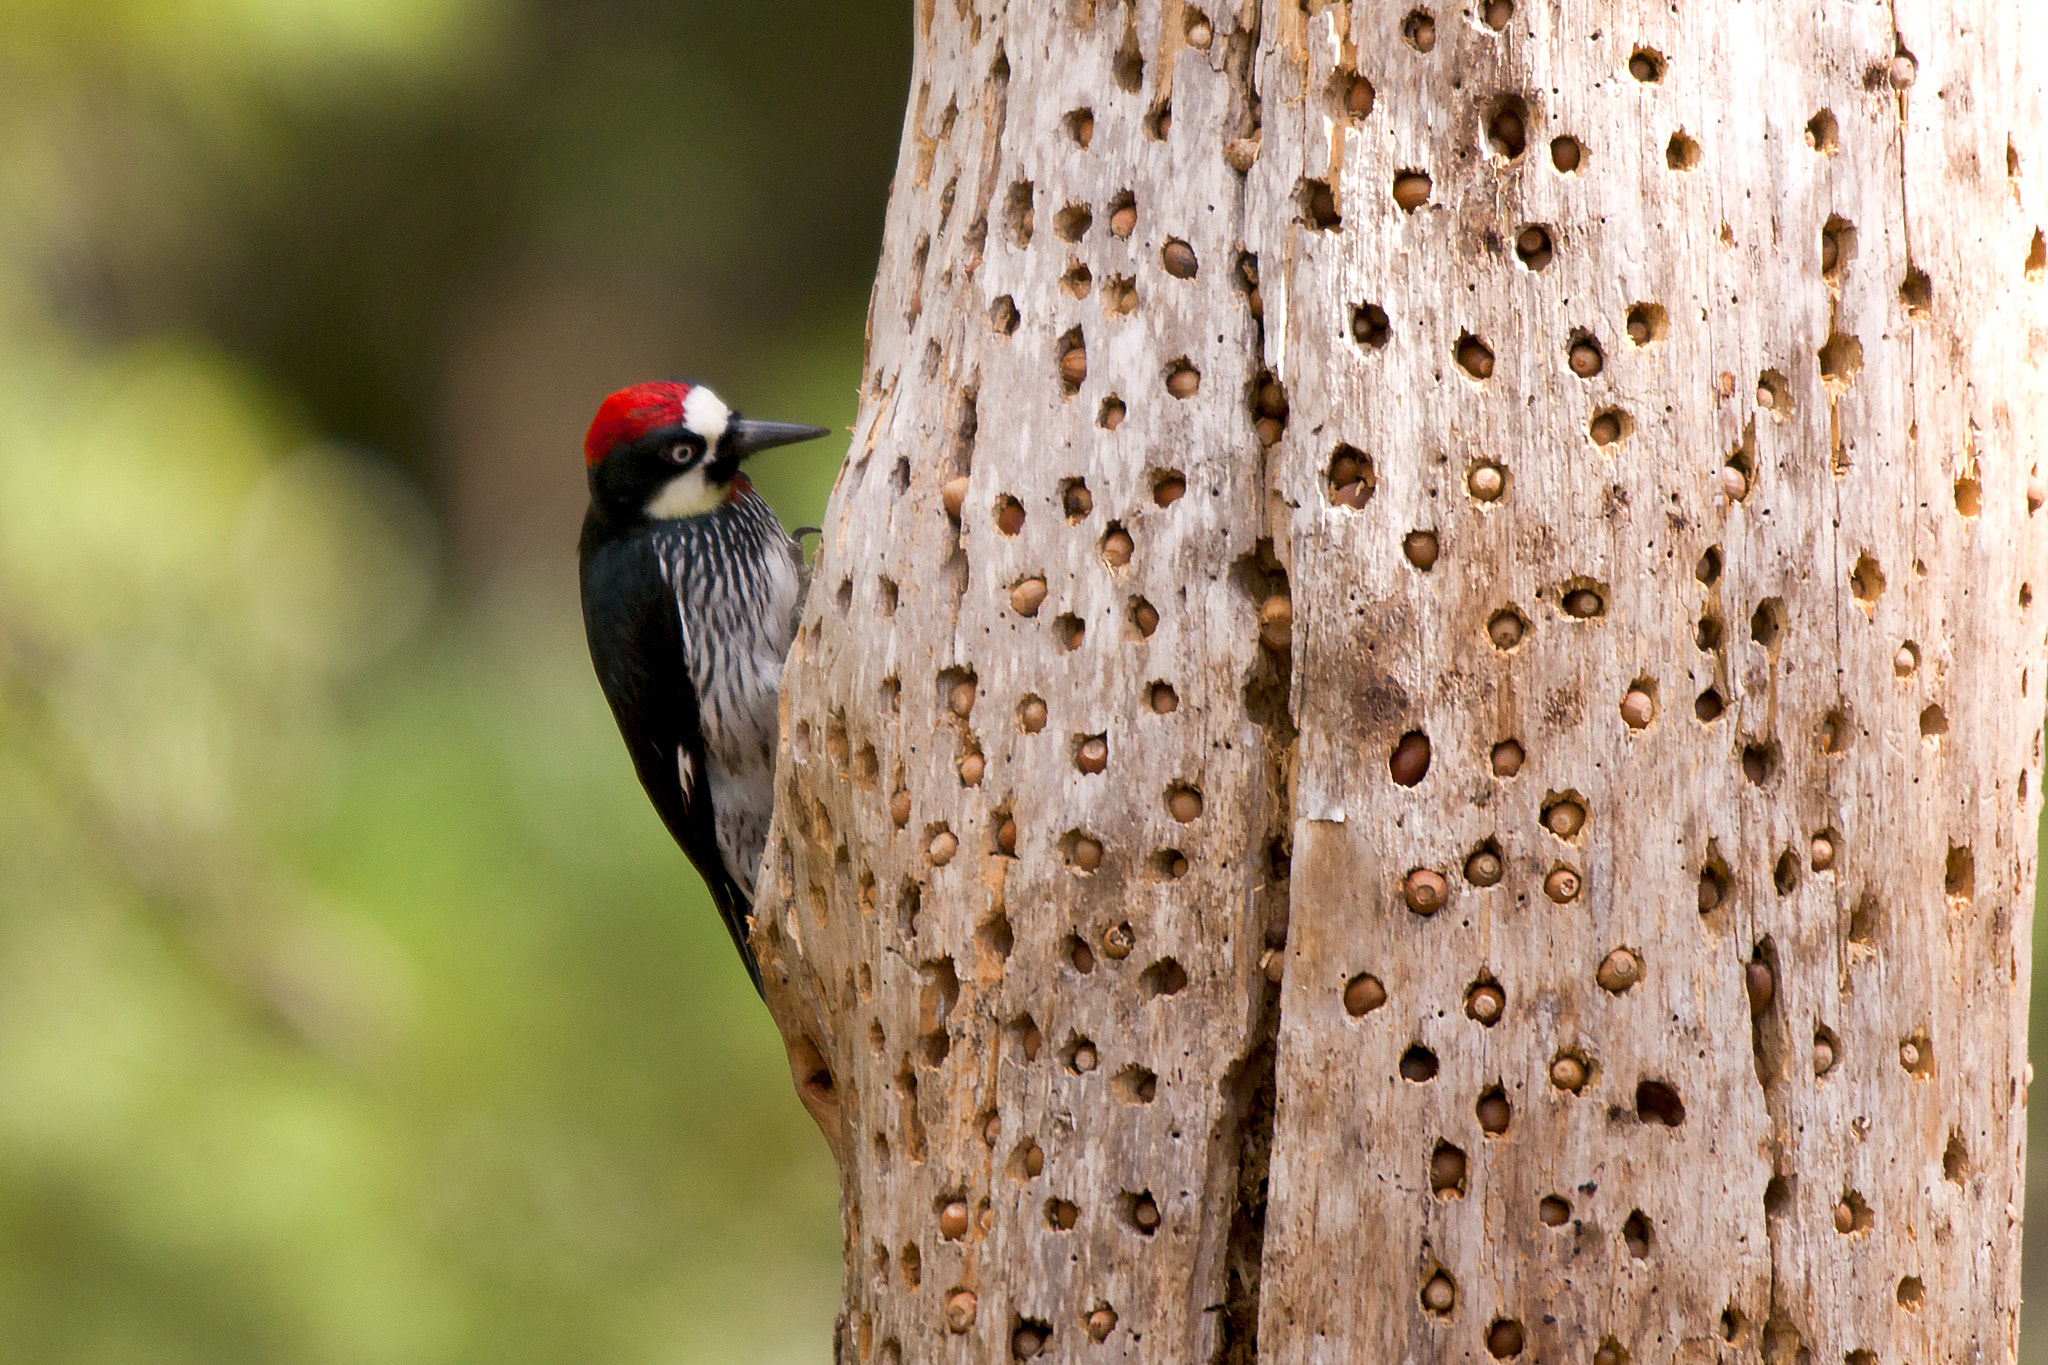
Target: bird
x,y
691,592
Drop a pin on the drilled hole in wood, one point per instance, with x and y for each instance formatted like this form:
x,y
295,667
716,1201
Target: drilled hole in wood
x,y
1647,323
1418,30
1129,65
1955,1159
1827,1049
1018,213
1163,699
1554,1211
1134,1085
1485,1002
1143,618
1610,427
1409,762
1567,154
1778,1196
1507,126
1139,1211
1912,1294
1853,1215
1164,977
1363,994
1183,380
2036,267
1350,479
1493,1112
1564,815
1760,761
1506,628
1823,134
1569,1071
1959,874
1369,326
1474,356
1167,865
1933,723
1583,601
1504,1339
1916,294
1071,354
1773,395
1906,660
1583,355
1635,1234
1159,121
1820,850
1447,1171
1837,246
1484,866
1533,246
1319,205
1123,214
1658,1102
1498,13
1080,853
1708,570
1646,64
1834,732
1411,189
1841,360
1080,1056
1507,758
1070,630
1418,1064
1682,152
1061,1215
1077,281
1080,125
1355,94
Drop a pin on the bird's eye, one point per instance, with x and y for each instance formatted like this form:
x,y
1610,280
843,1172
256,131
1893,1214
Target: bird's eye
x,y
677,452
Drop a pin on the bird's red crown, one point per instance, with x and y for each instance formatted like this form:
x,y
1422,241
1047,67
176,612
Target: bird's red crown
x,y
631,413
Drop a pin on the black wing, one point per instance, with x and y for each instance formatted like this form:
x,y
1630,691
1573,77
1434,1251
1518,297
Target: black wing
x,y
636,642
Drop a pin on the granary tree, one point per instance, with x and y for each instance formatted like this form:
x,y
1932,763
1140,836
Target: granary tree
x,y
1418,728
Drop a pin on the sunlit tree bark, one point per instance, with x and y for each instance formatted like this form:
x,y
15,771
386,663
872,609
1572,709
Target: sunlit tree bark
x,y
1418,730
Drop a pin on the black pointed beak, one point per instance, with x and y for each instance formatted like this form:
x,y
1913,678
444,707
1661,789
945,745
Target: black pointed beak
x,y
747,438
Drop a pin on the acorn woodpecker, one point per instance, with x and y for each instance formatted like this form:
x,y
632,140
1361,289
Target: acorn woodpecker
x,y
691,591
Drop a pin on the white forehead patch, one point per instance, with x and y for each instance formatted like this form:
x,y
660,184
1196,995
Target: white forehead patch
x,y
706,414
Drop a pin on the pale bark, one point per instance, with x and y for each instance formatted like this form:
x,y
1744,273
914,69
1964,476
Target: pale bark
x,y
1057,1084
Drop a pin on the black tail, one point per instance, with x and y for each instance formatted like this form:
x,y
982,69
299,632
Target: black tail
x,y
735,909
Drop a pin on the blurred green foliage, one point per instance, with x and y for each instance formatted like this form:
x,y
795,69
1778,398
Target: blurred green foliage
x,y
353,1005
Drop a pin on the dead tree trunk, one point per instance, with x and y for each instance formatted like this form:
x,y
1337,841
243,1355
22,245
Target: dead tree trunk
x,y
1418,732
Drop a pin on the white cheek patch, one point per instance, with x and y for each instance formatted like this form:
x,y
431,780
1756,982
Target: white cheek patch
x,y
707,415
686,495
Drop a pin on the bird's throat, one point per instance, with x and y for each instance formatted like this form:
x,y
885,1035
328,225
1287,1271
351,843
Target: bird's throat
x,y
692,495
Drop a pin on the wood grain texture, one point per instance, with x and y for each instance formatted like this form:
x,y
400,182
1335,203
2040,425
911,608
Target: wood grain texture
x,y
1284,489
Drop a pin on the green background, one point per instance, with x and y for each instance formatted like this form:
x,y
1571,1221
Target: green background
x,y
354,1007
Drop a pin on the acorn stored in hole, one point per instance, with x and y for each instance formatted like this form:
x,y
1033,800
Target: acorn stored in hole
x,y
960,1311
1494,1113
1562,885
1760,984
1117,942
1093,755
943,846
1276,621
1031,715
899,808
971,769
1183,381
1410,761
1439,1296
1179,259
1421,548
1028,596
1117,548
1123,221
1487,482
1637,708
1101,1323
1087,853
1411,190
953,1220
1486,1004
1565,818
1619,970
1363,994
1483,868
1568,1073
1425,891
953,496
1507,758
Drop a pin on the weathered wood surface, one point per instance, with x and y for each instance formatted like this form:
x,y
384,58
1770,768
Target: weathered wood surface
x,y
1730,488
